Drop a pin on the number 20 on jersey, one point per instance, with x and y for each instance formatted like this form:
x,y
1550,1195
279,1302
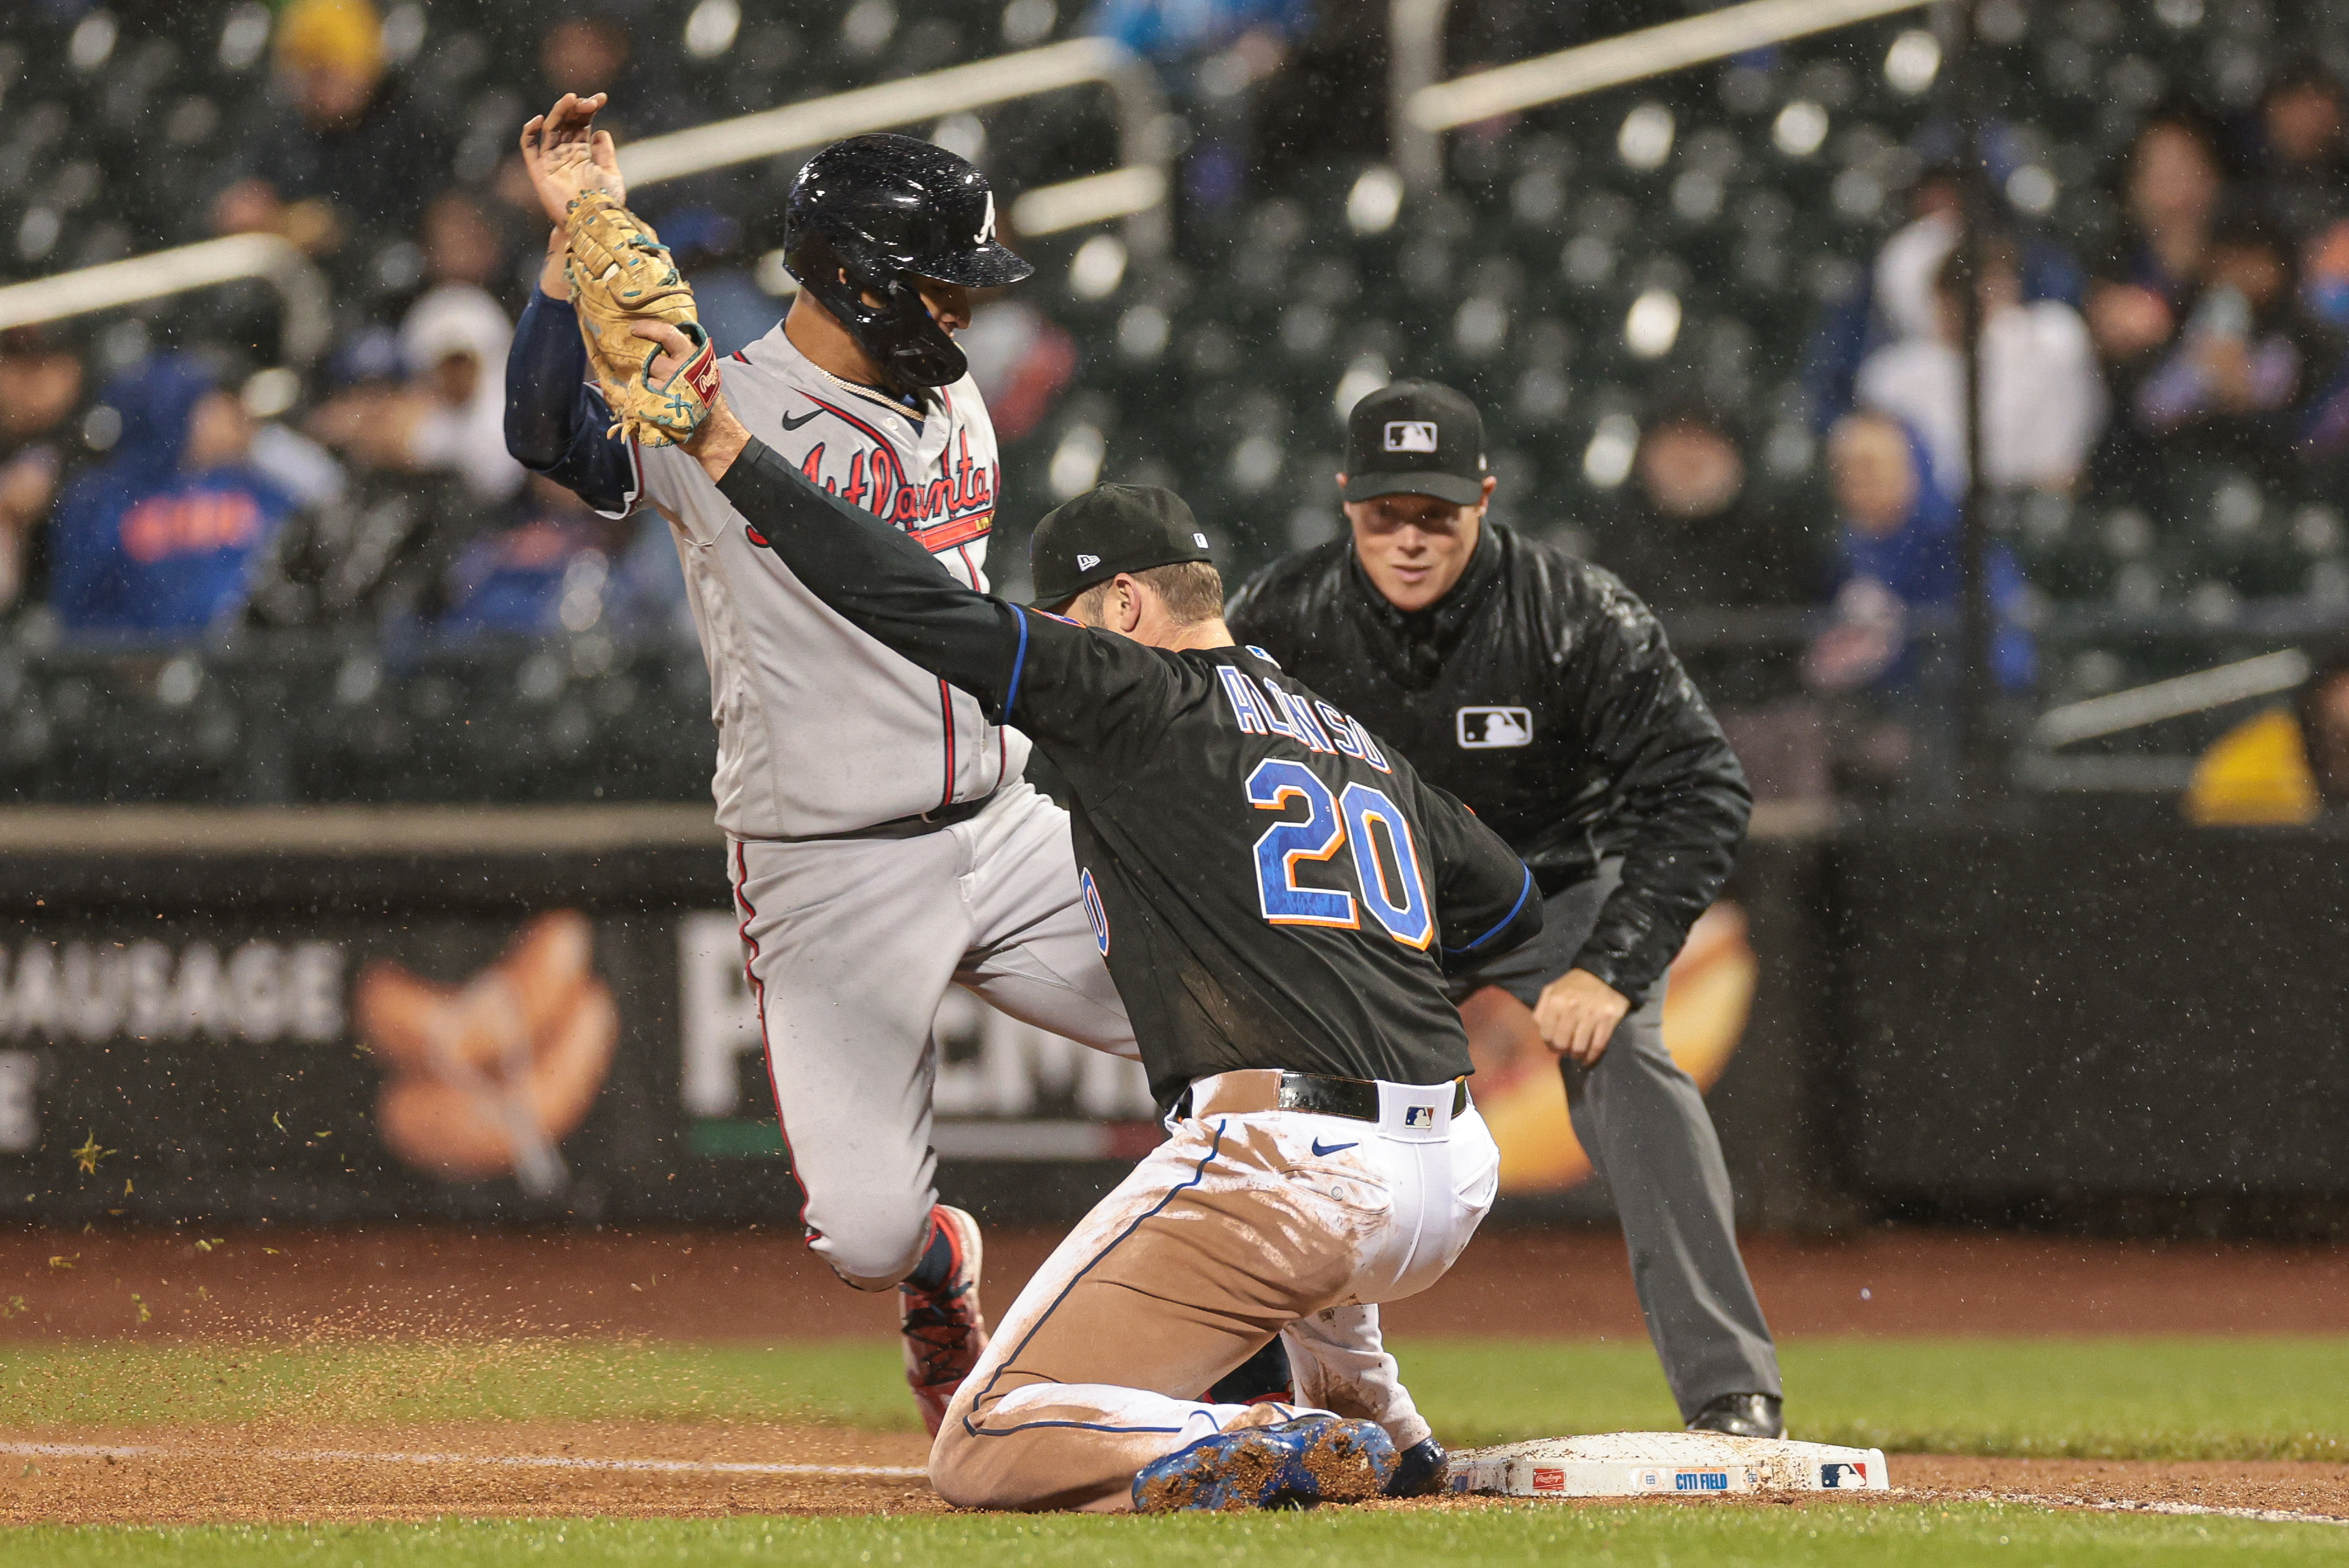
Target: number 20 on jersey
x,y
1361,822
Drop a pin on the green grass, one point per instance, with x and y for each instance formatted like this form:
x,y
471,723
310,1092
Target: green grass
x,y
1649,1536
2102,1398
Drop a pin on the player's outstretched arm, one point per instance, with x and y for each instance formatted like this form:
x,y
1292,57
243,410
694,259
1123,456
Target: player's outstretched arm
x,y
882,581
1096,692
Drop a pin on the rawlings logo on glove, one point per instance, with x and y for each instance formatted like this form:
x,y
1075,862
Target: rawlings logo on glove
x,y
622,277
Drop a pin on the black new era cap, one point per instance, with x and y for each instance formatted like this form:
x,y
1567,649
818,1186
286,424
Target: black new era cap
x,y
1415,437
1106,530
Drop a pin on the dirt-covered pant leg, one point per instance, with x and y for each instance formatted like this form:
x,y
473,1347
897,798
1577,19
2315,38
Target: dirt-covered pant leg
x,y
1226,1235
1339,1362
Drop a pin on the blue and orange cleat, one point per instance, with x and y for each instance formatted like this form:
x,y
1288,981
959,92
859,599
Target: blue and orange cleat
x,y
1296,1464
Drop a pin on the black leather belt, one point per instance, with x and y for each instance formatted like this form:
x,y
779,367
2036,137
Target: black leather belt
x,y
925,823
1354,1098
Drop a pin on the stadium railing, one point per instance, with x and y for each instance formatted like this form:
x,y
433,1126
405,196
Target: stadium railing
x,y
1423,107
1136,190
309,320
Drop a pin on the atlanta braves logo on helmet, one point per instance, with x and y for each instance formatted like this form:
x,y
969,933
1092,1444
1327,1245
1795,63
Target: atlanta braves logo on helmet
x,y
987,224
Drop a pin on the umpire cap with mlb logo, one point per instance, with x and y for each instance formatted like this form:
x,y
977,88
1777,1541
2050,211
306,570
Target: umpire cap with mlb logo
x,y
1415,437
1108,530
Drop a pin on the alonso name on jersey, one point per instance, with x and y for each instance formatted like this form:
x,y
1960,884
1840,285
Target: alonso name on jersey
x,y
1271,885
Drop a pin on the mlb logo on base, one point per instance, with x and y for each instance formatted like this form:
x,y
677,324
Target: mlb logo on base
x,y
1838,1477
1490,729
1411,435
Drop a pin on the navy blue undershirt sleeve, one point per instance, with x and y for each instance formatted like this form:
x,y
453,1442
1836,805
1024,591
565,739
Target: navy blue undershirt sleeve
x,y
555,418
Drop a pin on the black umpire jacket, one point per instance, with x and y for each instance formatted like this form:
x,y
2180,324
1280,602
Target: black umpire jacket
x,y
1541,692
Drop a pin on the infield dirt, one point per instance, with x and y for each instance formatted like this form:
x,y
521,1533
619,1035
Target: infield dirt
x,y
190,1475
757,1288
330,1461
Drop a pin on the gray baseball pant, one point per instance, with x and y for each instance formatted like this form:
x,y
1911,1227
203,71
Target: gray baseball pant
x,y
851,943
1642,1121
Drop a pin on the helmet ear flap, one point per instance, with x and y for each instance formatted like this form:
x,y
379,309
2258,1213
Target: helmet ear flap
x,y
899,332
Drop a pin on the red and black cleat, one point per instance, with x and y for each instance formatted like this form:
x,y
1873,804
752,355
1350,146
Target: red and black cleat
x,y
945,1331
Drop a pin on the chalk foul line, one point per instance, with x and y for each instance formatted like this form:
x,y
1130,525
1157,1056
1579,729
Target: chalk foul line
x,y
512,1461
2131,1505
910,1472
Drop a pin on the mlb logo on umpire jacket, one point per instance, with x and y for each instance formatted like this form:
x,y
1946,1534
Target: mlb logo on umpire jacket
x,y
1484,728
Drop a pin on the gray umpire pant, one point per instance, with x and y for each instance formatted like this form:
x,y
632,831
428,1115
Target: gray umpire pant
x,y
1644,1125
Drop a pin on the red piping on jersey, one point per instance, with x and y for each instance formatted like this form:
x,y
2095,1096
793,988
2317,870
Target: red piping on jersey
x,y
738,354
939,538
766,1047
843,413
946,705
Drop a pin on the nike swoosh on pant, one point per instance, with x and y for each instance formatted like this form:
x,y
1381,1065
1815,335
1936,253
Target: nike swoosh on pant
x,y
1334,1148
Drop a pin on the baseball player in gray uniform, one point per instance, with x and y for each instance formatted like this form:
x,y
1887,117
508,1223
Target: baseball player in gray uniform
x,y
882,842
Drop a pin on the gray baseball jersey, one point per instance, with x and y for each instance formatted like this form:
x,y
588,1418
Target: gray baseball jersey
x,y
820,730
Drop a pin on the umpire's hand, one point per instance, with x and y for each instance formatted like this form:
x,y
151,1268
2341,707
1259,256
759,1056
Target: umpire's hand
x,y
1577,1014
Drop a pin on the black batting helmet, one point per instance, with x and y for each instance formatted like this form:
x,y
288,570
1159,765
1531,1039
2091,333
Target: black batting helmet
x,y
885,210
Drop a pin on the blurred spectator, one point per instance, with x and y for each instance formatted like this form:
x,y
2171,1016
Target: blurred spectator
x,y
1690,534
379,554
1899,572
162,536
1898,548
41,383
450,414
562,568
2045,402
466,242
2246,358
591,50
1213,55
2304,150
706,245
1898,300
1023,359
349,157
2172,179
2283,765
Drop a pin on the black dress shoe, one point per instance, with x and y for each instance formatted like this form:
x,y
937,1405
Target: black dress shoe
x,y
1742,1416
1418,1469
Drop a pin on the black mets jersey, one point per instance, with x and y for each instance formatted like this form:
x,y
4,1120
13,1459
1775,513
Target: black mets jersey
x,y
1270,886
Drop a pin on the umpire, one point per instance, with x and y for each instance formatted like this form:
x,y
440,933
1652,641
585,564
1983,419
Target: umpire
x,y
1537,689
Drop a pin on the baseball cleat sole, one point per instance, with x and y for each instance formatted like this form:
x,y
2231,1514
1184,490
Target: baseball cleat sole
x,y
1296,1464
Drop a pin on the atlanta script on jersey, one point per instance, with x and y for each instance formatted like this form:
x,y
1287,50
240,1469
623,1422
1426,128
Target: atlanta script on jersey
x,y
821,731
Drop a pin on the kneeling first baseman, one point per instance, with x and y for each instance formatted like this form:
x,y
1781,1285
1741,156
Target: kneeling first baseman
x,y
1276,895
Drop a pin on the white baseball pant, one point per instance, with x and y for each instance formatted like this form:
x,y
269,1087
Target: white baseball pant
x,y
851,944
1239,1227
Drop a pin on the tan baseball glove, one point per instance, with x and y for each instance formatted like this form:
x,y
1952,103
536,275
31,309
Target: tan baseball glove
x,y
621,277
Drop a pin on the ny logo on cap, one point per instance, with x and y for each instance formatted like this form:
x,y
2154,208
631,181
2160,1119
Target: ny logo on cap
x,y
1411,435
1087,563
